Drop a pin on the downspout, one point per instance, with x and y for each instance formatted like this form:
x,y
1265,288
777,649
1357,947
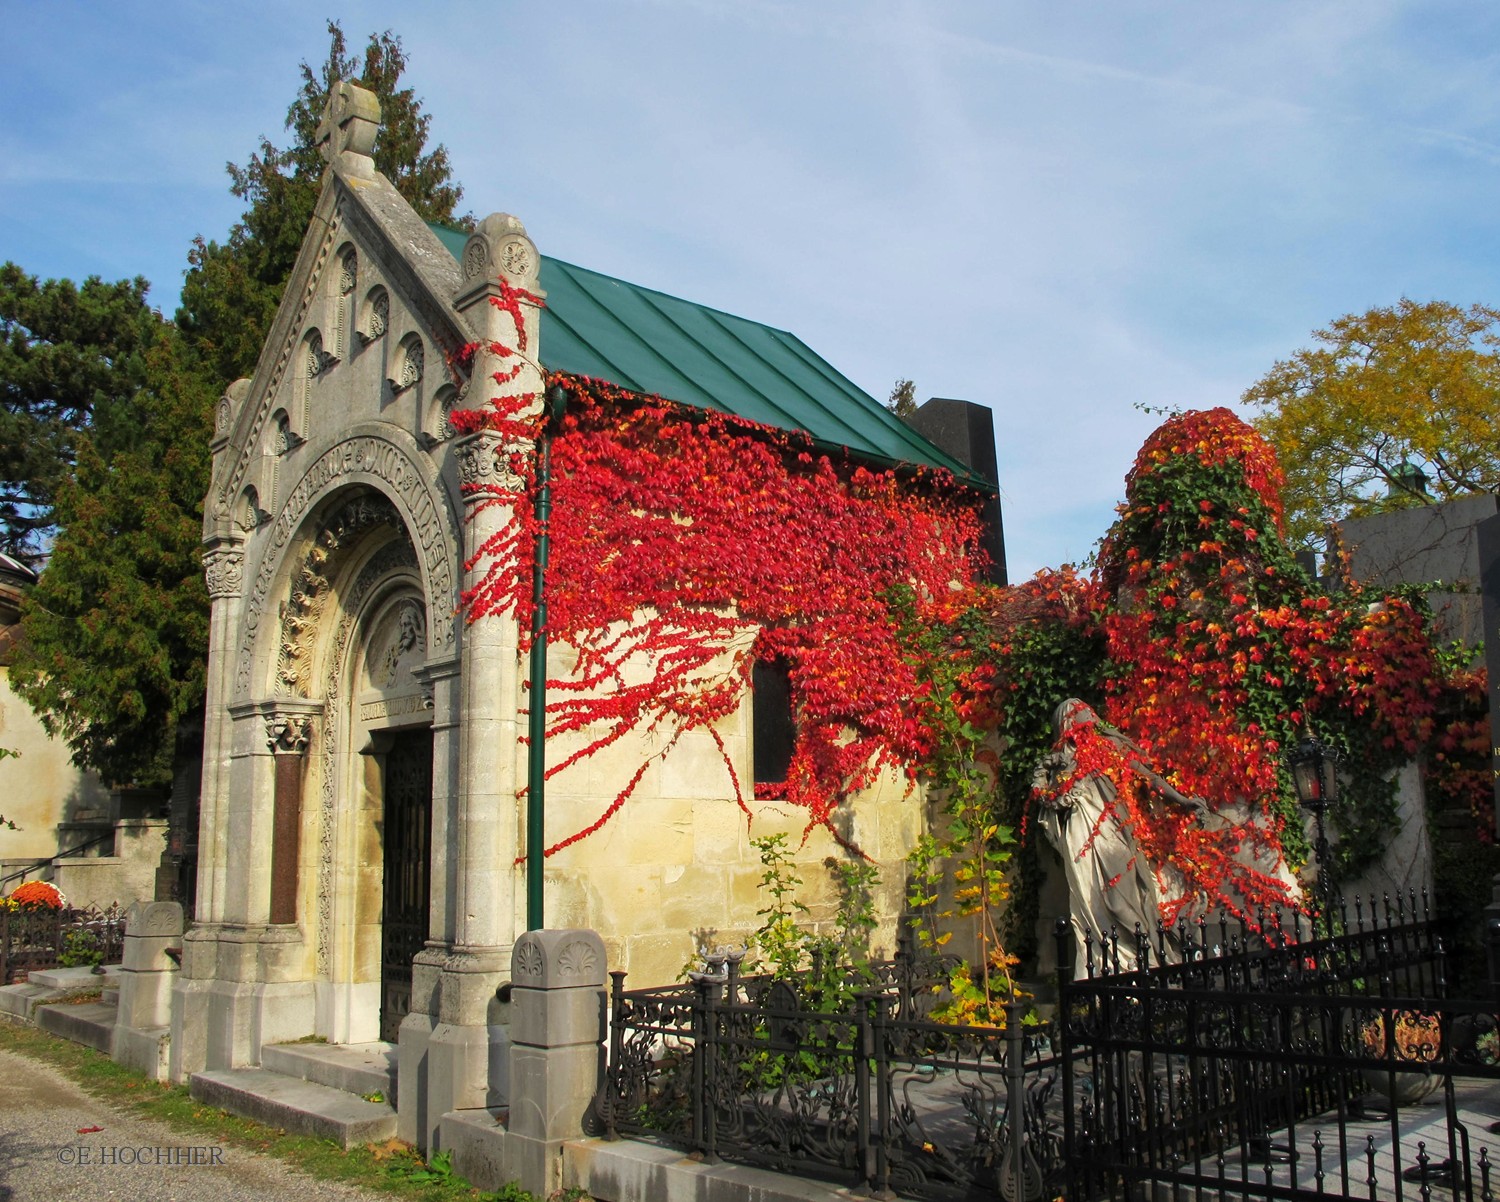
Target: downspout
x,y
556,402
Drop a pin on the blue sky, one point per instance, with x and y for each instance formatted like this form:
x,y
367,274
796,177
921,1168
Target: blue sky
x,y
1062,211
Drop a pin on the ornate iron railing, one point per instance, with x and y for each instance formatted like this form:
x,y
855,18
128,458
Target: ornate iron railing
x,y
1282,1065
1279,1059
849,1082
35,938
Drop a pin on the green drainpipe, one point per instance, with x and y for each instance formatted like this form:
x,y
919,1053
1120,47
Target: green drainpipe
x,y
536,771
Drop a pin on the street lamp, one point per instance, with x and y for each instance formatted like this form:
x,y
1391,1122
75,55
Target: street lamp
x,y
1315,776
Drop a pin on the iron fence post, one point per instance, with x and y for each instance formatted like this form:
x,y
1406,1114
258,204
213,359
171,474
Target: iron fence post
x,y
1013,1182
879,1023
612,1097
708,1062
1062,933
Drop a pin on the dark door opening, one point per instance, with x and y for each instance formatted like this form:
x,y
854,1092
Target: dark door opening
x,y
406,837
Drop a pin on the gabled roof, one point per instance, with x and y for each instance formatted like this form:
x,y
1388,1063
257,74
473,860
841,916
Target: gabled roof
x,y
651,342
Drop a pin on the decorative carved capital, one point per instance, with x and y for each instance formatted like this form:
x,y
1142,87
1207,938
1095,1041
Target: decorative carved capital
x,y
225,572
484,464
288,734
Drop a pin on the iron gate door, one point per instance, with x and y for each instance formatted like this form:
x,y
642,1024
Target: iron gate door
x,y
407,826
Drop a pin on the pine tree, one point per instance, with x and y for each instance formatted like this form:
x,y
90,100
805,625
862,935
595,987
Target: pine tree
x,y
117,626
70,356
232,288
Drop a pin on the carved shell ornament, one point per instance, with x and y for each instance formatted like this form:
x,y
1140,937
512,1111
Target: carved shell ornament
x,y
578,959
529,960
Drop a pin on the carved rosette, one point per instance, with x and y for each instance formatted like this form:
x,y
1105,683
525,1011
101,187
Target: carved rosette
x,y
484,465
288,734
225,573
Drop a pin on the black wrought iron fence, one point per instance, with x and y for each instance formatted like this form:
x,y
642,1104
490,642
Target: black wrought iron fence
x,y
36,938
1277,1059
850,1082
1293,1063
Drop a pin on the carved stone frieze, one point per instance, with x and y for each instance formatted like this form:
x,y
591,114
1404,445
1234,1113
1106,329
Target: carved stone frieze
x,y
224,570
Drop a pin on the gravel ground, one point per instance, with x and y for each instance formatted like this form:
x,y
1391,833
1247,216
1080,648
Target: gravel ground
x,y
47,1153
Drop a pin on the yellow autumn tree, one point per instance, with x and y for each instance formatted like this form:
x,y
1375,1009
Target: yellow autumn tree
x,y
1383,392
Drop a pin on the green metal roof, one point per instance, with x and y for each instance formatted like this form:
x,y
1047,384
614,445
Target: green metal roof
x,y
649,342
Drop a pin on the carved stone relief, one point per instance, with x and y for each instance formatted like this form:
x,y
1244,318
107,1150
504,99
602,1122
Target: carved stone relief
x,y
225,573
288,734
377,315
289,346
484,463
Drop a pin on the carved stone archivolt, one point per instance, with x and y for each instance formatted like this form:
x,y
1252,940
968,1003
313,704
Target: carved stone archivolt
x,y
301,611
423,511
224,570
390,562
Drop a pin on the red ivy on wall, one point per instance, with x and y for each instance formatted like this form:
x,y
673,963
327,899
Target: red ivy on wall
x,y
685,545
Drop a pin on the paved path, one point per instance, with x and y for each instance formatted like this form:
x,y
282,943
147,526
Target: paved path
x,y
45,1158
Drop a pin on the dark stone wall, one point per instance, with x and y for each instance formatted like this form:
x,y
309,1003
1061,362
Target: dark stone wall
x,y
967,432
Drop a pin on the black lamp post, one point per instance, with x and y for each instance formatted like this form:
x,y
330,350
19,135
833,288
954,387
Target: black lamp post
x,y
1315,776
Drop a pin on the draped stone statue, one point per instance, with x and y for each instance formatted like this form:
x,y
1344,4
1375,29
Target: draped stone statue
x,y
1111,886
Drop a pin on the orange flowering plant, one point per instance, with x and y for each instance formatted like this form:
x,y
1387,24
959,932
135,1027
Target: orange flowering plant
x,y
36,893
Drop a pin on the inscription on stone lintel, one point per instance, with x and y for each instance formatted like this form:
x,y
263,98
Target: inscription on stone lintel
x,y
390,707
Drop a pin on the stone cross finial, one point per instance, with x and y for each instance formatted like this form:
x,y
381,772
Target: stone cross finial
x,y
350,122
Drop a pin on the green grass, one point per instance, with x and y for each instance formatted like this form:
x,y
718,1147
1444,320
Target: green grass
x,y
393,1167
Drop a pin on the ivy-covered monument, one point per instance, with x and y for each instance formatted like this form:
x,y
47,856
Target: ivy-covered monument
x,y
727,509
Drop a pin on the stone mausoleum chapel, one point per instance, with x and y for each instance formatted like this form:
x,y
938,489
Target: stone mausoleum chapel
x,y
360,872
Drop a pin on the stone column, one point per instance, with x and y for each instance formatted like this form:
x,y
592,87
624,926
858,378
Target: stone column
x,y
224,569
466,1049
147,973
287,736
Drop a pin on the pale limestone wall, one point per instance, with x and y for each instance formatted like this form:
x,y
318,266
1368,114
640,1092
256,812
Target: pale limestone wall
x,y
676,866
42,787
127,876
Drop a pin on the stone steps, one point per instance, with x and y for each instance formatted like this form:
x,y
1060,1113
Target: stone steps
x,y
356,1068
294,1105
89,1023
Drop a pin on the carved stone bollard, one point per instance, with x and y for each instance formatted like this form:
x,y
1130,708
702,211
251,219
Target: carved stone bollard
x,y
153,930
556,1055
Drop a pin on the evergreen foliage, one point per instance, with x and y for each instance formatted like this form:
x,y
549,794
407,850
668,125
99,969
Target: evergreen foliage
x,y
71,357
117,626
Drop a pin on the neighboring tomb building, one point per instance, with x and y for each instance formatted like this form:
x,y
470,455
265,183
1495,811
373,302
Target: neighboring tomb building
x,y
62,824
360,828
